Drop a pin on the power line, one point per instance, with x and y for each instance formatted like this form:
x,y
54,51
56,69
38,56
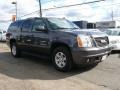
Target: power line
x,y
94,6
75,5
64,7
29,13
4,21
47,1
82,8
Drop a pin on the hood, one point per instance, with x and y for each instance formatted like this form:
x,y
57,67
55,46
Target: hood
x,y
88,32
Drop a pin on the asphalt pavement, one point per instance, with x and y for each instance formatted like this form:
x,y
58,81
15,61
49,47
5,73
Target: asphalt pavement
x,y
33,73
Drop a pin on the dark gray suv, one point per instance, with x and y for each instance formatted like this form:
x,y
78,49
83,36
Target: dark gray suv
x,y
58,39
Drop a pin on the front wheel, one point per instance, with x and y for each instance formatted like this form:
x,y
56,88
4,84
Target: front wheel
x,y
62,59
14,50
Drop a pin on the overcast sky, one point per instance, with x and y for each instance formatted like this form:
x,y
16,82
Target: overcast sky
x,y
92,12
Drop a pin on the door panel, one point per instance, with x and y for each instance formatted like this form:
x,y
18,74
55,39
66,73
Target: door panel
x,y
26,40
26,35
40,43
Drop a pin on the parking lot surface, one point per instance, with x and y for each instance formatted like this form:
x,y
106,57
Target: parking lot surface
x,y
33,73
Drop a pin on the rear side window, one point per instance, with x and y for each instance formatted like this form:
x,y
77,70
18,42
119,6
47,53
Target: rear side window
x,y
27,26
15,26
12,26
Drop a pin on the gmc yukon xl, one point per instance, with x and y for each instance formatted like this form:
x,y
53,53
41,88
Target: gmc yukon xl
x,y
58,39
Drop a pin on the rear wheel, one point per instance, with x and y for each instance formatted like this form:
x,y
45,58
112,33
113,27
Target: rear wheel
x,y
62,59
14,50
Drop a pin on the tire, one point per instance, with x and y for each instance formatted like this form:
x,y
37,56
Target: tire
x,y
62,59
15,51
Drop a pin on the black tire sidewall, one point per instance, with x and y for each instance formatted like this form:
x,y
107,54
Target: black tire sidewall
x,y
69,63
17,50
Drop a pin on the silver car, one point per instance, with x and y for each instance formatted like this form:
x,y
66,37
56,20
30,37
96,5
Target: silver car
x,y
114,38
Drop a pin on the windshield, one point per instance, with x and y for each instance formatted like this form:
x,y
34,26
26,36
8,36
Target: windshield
x,y
109,32
113,33
57,23
116,33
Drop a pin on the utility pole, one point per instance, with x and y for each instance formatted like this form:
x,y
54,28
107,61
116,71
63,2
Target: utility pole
x,y
40,8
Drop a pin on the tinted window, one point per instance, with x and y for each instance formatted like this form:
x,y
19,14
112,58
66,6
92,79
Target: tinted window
x,y
4,31
38,23
12,26
119,34
27,26
109,32
15,26
115,33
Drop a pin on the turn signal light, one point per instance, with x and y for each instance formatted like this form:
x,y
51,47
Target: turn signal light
x,y
79,41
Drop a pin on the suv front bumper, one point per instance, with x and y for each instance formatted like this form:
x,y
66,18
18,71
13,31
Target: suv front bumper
x,y
86,56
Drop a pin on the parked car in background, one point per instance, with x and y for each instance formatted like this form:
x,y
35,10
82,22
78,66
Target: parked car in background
x,y
59,39
2,35
114,38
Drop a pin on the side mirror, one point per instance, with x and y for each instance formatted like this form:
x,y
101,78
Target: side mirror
x,y
40,28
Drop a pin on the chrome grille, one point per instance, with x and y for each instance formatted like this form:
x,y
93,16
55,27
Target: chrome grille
x,y
101,41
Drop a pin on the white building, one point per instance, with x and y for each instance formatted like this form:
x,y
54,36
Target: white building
x,y
108,24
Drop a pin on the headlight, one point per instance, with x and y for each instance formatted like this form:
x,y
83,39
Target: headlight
x,y
84,41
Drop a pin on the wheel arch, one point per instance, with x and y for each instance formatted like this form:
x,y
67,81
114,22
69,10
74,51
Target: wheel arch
x,y
60,44
12,41
70,63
